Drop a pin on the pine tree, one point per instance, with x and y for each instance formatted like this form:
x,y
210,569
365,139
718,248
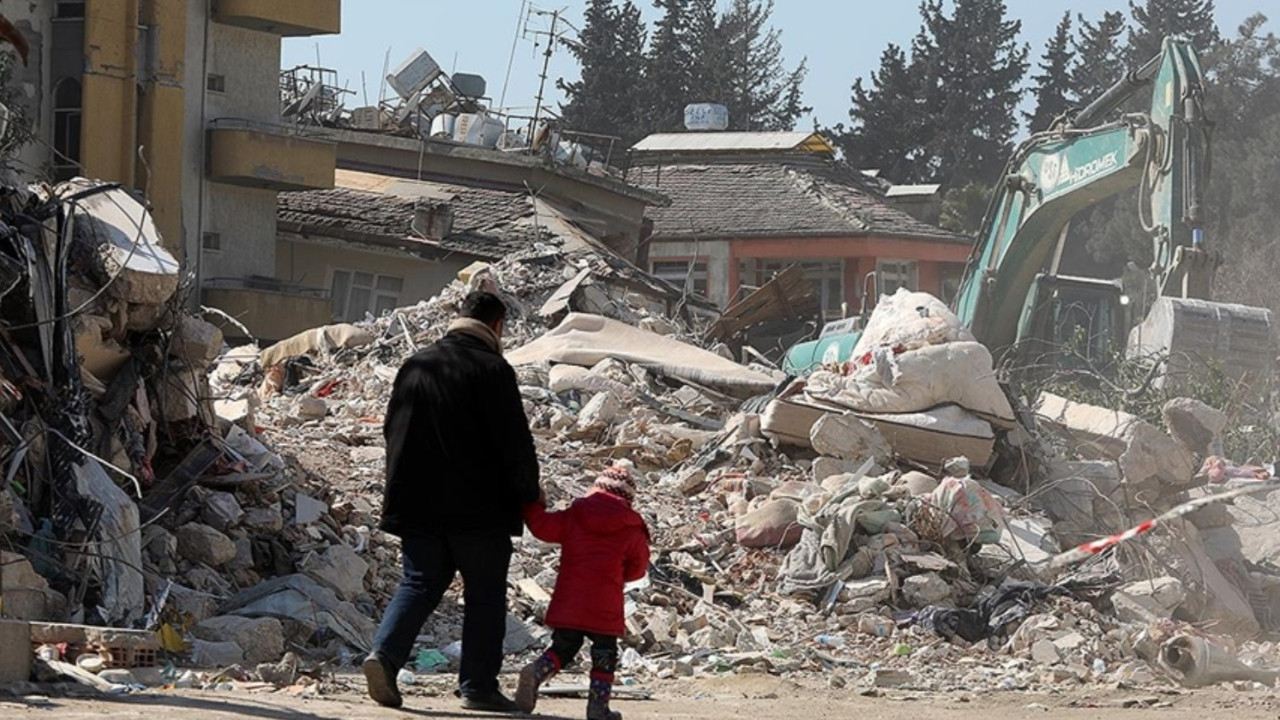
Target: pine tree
x,y
886,117
668,67
1099,57
972,67
1053,84
760,93
610,49
1156,19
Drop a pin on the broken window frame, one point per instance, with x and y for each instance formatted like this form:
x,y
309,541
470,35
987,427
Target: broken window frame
x,y
68,115
827,273
677,272
381,293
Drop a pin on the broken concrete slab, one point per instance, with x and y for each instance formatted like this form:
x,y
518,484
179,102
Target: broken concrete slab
x,y
1098,433
1197,426
307,509
201,543
129,251
599,411
1153,459
848,438
221,511
207,654
196,342
262,639
926,589
1149,600
338,567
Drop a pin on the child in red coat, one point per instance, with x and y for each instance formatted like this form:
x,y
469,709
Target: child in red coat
x,y
604,545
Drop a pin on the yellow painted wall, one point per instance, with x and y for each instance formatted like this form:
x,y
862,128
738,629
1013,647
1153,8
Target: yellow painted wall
x,y
110,98
161,118
270,316
310,264
269,160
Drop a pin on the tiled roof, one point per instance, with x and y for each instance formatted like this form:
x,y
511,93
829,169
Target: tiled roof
x,y
486,222
775,199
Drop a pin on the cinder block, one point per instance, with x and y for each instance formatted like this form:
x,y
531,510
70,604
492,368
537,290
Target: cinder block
x,y
15,651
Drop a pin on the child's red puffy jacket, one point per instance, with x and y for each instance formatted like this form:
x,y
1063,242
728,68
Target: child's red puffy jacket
x,y
605,545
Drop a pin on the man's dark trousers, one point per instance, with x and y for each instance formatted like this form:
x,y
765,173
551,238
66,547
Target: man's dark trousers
x,y
430,563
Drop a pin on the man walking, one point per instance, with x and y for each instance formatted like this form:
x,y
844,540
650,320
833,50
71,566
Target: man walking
x,y
461,466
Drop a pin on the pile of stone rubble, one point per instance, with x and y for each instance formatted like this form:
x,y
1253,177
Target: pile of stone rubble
x,y
861,523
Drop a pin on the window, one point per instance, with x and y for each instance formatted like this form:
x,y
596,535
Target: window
x,y
827,275
211,241
894,274
216,83
66,129
69,9
679,273
357,293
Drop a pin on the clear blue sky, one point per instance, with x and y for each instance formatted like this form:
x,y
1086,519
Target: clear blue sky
x,y
842,39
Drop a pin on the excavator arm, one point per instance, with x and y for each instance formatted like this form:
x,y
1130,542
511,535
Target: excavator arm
x,y
1055,175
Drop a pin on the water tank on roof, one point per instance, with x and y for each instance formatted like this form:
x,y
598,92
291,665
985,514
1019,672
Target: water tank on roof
x,y
414,74
467,85
443,125
706,116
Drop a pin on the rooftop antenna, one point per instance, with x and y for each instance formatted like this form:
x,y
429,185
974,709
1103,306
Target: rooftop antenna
x,y
386,68
364,88
318,63
520,23
552,38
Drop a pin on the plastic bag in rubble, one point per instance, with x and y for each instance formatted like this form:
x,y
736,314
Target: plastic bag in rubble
x,y
969,512
911,320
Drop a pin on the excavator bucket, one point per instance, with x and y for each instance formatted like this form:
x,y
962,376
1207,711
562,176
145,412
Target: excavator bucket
x,y
1202,338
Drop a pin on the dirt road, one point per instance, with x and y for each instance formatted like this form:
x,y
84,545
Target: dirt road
x,y
758,698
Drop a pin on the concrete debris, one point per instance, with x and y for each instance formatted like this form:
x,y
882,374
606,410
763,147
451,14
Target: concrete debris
x,y
261,639
202,544
824,526
1147,601
1195,425
847,437
339,568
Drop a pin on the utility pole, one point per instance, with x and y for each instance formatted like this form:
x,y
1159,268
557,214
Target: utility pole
x,y
546,65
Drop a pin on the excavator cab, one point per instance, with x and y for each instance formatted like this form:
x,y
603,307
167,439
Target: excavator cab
x,y
1071,323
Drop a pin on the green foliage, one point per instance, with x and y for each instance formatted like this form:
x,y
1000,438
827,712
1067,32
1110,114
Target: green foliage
x,y
963,78
964,207
1053,85
610,50
694,54
1155,20
1100,57
1126,384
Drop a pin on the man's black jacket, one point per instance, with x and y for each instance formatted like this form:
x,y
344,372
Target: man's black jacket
x,y
460,457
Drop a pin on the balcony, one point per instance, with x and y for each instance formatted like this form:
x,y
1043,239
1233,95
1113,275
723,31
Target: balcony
x,y
271,157
270,309
286,18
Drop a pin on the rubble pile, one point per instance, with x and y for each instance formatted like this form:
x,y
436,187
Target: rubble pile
x,y
847,540
858,522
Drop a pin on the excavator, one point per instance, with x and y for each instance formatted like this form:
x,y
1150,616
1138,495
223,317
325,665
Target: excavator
x,y
1012,296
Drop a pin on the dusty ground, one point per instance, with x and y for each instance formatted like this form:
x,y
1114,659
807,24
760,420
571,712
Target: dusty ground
x,y
715,699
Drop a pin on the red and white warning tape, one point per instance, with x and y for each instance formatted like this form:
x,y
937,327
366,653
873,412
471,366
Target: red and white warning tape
x,y
1089,549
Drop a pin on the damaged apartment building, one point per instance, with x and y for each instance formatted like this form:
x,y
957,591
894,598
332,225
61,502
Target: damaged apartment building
x,y
179,101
